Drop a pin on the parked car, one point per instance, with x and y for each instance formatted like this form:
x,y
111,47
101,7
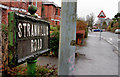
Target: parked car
x,y
98,30
117,31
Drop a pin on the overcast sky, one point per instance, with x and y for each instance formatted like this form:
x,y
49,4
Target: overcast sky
x,y
85,7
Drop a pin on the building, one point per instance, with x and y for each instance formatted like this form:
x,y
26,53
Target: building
x,y
21,7
45,10
106,23
51,12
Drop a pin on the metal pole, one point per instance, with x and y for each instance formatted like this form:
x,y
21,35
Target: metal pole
x,y
31,68
101,23
100,29
31,64
67,38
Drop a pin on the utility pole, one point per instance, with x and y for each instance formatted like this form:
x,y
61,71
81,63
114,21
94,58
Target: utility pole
x,y
119,38
67,38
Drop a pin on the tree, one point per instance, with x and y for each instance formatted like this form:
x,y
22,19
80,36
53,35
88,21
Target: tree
x,y
90,19
104,25
117,16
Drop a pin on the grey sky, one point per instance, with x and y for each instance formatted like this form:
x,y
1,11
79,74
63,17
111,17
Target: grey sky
x,y
85,7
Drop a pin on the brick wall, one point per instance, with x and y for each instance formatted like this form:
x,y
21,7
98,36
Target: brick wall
x,y
50,14
39,8
18,5
4,16
49,11
13,6
22,5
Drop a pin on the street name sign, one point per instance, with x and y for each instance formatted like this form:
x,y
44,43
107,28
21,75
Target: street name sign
x,y
101,15
28,38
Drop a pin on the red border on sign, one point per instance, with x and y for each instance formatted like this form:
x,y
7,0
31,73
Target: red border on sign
x,y
100,16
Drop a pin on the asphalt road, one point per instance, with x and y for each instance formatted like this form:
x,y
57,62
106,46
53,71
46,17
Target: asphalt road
x,y
112,38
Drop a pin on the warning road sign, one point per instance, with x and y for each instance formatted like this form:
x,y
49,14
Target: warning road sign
x,y
101,15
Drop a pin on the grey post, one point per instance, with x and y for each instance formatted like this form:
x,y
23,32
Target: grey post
x,y
119,41
67,38
101,23
100,28
119,7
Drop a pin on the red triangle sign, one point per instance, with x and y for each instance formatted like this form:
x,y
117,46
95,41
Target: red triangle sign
x,y
101,15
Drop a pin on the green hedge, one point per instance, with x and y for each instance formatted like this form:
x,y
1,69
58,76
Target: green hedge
x,y
54,43
53,28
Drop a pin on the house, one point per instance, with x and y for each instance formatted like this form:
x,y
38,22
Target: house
x,y
51,12
45,9
105,24
108,21
21,7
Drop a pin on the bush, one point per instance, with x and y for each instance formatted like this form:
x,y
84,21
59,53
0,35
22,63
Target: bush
x,y
46,71
53,28
81,25
58,27
54,43
115,26
109,28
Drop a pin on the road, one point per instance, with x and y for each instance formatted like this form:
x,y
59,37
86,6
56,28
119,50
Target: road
x,y
98,58
112,38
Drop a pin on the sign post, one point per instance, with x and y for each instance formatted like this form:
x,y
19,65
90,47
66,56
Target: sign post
x,y
31,64
28,37
67,38
101,17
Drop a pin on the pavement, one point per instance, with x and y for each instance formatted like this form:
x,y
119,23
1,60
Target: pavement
x,y
98,58
95,58
44,60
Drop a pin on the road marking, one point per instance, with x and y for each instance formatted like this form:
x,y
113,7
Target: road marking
x,y
118,40
110,39
92,35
